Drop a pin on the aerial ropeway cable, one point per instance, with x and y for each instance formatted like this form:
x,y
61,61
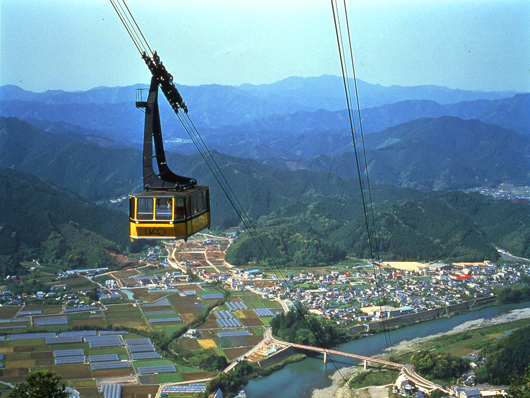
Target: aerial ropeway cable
x,y
165,81
347,63
168,88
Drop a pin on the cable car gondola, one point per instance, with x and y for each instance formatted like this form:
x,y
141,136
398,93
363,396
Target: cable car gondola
x,y
171,206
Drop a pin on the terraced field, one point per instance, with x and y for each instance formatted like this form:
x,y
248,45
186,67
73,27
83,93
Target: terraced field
x,y
231,330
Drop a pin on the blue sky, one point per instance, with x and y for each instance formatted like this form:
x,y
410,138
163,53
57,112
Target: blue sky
x,y
81,44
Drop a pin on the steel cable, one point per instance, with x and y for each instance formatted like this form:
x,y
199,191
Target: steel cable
x,y
143,47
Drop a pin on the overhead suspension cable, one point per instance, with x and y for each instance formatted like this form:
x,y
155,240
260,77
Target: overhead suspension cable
x,y
376,266
346,83
134,33
360,158
227,189
171,93
144,49
256,237
153,62
363,146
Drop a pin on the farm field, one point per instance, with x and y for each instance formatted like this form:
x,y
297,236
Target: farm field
x,y
231,328
24,356
126,315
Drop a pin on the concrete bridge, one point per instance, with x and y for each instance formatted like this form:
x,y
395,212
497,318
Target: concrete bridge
x,y
326,351
407,370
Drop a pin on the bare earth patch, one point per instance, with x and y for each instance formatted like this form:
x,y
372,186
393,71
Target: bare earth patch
x,y
405,265
188,318
191,376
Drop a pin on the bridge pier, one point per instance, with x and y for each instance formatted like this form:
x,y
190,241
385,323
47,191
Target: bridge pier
x,y
325,357
365,364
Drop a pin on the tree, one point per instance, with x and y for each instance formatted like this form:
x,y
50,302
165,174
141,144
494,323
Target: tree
x,y
227,382
93,295
520,386
436,394
40,384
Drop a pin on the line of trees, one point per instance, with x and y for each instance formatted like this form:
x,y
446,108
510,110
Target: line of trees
x,y
439,365
511,295
300,327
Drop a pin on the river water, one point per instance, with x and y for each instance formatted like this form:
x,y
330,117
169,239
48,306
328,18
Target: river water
x,y
300,379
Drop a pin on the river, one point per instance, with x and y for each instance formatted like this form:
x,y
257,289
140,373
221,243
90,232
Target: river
x,y
300,379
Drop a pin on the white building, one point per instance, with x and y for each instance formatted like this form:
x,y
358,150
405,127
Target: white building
x,y
470,394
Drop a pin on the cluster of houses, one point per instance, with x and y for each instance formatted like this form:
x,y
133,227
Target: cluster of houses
x,y
501,193
90,273
235,279
345,296
405,386
357,295
57,293
158,282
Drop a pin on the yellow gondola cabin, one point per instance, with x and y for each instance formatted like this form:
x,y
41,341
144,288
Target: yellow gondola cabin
x,y
171,206
169,215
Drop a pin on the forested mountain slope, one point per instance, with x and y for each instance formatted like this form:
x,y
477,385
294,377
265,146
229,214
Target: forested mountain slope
x,y
409,225
100,173
304,216
41,220
439,153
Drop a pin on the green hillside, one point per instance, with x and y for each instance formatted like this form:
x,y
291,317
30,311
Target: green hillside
x,y
438,153
41,220
100,173
506,358
304,217
450,226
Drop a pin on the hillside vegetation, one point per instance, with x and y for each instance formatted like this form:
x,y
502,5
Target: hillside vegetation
x,y
507,358
437,153
304,217
41,220
101,173
307,217
443,225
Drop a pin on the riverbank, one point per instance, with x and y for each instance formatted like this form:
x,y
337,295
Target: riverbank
x,y
423,316
280,365
511,316
337,390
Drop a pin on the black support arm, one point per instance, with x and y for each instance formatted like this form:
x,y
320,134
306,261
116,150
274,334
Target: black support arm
x,y
166,179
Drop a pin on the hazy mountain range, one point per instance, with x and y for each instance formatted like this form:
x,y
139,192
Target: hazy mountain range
x,y
286,151
111,111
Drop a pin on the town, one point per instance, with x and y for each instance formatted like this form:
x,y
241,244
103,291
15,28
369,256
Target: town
x,y
168,287
345,294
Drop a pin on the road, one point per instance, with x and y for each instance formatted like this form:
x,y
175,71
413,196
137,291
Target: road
x,y
267,337
408,370
510,257
172,260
